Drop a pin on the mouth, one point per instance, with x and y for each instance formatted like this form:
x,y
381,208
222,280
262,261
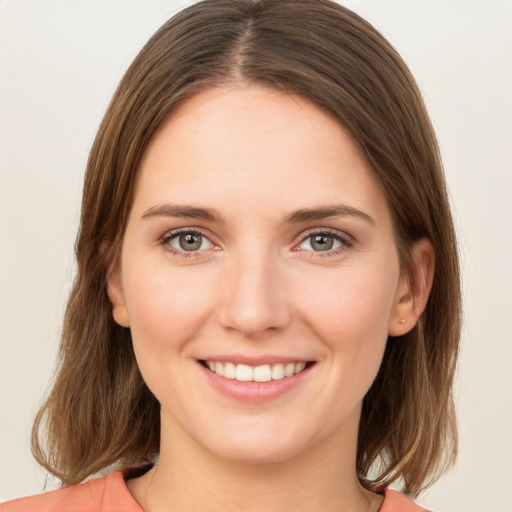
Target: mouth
x,y
260,373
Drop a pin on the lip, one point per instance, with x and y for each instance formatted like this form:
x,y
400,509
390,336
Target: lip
x,y
255,392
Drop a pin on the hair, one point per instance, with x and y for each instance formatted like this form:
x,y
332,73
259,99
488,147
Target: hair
x,y
100,412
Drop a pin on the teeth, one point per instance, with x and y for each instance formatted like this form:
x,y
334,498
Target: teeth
x,y
219,369
262,373
289,369
277,371
299,367
229,370
243,372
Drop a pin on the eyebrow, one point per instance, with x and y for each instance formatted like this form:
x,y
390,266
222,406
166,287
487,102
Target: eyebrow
x,y
342,210
184,211
212,215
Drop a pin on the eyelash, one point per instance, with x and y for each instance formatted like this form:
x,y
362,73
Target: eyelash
x,y
345,240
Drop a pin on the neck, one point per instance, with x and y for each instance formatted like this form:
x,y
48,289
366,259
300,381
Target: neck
x,y
320,478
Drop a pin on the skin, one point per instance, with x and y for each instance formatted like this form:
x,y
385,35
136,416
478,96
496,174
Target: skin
x,y
257,287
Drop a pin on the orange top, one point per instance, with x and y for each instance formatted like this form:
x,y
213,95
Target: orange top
x,y
110,494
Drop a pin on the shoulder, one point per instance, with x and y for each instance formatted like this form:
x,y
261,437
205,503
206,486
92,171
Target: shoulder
x,y
395,501
108,494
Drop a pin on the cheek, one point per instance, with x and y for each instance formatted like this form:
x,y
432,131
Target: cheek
x,y
350,317
349,310
167,310
167,307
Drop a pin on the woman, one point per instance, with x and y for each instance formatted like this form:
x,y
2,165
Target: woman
x,y
266,312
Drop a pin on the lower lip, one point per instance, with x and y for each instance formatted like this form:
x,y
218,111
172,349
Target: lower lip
x,y
255,392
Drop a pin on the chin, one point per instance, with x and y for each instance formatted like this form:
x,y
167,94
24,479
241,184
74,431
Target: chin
x,y
251,454
262,445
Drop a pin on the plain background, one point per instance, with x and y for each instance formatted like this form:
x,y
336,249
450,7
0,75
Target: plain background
x,y
59,64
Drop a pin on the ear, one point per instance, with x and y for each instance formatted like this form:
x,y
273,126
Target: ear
x,y
116,296
413,291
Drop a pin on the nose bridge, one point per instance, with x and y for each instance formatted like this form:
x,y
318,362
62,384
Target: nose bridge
x,y
254,298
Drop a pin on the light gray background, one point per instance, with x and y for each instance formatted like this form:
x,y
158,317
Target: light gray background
x,y
59,64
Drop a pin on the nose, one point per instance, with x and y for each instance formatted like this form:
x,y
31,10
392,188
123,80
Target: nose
x,y
254,298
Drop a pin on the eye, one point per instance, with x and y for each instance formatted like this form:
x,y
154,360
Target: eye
x,y
188,241
325,242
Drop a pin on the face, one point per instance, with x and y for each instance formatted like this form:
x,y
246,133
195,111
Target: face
x,y
259,276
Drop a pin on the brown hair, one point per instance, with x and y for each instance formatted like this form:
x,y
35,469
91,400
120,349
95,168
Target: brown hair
x,y
100,411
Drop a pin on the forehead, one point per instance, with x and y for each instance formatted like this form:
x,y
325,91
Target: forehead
x,y
255,141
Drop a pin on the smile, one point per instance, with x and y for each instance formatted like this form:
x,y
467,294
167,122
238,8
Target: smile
x,y
261,373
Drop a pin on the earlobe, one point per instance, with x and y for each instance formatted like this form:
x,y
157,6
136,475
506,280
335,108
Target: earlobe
x,y
413,293
116,296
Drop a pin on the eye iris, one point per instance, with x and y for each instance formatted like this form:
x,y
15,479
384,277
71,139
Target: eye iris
x,y
322,242
190,241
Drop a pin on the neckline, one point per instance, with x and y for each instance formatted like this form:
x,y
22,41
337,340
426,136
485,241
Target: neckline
x,y
391,498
